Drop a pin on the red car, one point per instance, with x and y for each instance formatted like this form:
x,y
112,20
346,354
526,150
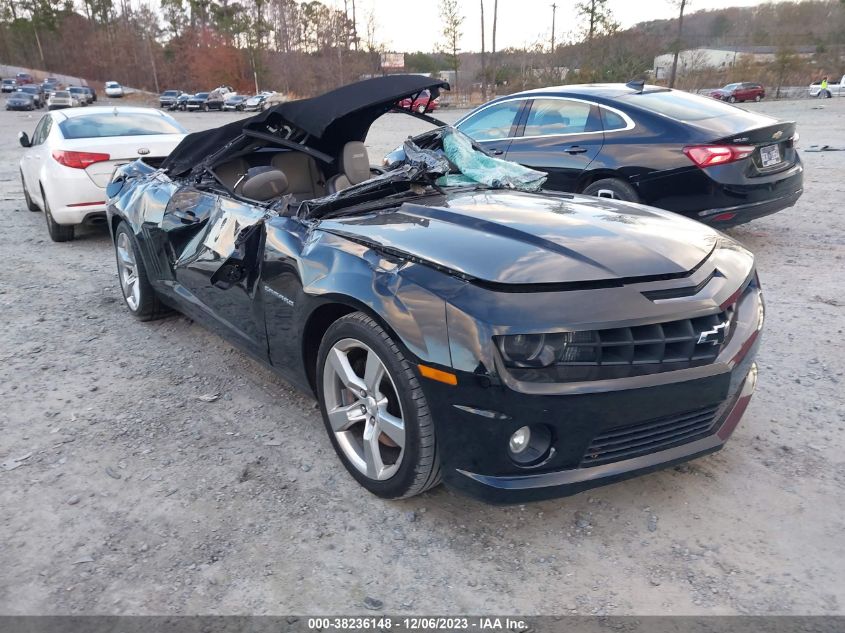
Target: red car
x,y
745,91
23,79
422,104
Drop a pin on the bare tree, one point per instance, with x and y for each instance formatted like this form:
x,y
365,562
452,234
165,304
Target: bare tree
x,y
597,16
676,49
786,61
450,13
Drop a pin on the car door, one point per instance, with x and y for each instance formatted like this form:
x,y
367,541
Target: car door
x,y
35,155
560,136
214,244
493,125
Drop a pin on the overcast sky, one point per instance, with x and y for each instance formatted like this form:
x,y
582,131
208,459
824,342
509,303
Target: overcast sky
x,y
413,25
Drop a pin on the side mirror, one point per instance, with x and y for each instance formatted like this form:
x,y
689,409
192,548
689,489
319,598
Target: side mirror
x,y
23,139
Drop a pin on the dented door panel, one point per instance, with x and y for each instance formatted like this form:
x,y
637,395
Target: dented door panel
x,y
305,268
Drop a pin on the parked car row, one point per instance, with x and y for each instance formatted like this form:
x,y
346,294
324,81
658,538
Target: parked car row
x,y
222,98
28,95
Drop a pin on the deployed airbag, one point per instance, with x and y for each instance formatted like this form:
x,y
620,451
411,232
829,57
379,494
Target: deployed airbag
x,y
478,167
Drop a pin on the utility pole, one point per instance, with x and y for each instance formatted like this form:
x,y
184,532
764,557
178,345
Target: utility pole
x,y
153,62
483,58
682,4
493,52
354,26
554,10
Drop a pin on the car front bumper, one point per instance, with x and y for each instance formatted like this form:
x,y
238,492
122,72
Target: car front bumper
x,y
660,420
472,443
516,488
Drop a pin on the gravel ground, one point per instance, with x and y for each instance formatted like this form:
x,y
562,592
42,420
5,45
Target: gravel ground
x,y
133,495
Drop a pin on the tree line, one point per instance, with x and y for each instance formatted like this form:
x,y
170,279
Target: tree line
x,y
306,47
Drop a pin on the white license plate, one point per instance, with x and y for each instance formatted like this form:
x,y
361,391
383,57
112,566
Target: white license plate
x,y
770,155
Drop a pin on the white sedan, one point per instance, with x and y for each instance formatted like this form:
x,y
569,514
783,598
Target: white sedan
x,y
72,153
113,89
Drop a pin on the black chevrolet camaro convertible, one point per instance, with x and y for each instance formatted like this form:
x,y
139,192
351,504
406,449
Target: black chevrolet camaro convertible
x,y
455,321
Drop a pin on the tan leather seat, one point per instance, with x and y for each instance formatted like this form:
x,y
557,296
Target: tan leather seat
x,y
354,167
305,181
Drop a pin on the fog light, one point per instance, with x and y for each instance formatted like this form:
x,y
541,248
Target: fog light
x,y
530,445
519,440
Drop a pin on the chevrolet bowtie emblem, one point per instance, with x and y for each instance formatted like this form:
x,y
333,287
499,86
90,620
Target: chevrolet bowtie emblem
x,y
715,336
777,134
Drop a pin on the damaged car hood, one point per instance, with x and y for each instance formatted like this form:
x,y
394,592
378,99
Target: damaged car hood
x,y
515,238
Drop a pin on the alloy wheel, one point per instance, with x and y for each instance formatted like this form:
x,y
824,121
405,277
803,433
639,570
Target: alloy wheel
x,y
363,409
128,272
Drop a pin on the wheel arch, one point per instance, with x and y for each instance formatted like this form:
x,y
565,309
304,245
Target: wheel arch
x,y
589,177
329,310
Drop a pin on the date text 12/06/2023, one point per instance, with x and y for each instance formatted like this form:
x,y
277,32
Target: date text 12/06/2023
x,y
417,623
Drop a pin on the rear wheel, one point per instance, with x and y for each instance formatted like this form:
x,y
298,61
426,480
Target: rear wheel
x,y
58,232
612,188
374,410
421,109
138,293
29,203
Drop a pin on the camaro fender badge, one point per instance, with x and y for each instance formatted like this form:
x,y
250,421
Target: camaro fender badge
x,y
279,295
777,134
143,151
716,336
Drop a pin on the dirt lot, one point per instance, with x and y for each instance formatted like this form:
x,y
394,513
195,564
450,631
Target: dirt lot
x,y
134,496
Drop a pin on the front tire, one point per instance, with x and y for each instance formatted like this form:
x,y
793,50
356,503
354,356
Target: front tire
x,y
731,99
758,98
374,409
58,232
421,109
612,188
138,293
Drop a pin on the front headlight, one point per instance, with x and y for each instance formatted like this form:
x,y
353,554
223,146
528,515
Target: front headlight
x,y
544,350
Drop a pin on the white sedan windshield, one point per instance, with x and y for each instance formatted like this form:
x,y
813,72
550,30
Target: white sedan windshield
x,y
121,124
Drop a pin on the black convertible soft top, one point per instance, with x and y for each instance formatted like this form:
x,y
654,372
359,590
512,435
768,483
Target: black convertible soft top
x,y
324,123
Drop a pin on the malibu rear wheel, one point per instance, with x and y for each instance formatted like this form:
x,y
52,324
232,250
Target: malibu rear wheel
x,y
612,188
374,410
